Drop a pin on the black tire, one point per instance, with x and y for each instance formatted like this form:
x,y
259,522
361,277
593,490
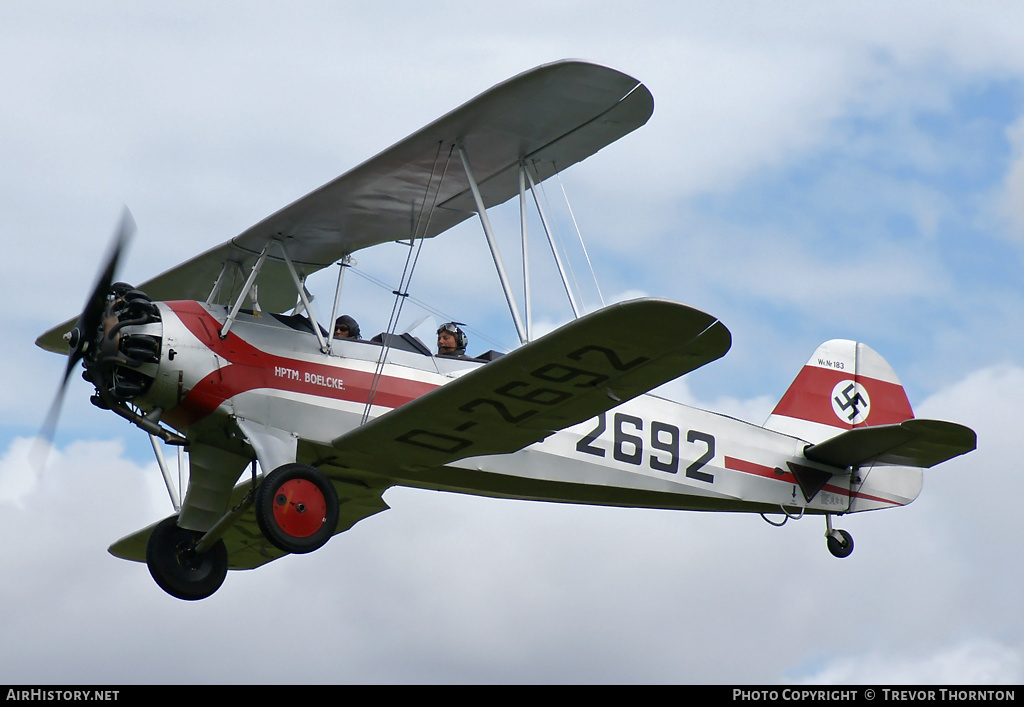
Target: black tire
x,y
178,569
297,508
841,546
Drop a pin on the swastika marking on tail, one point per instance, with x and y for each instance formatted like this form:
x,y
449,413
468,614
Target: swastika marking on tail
x,y
851,402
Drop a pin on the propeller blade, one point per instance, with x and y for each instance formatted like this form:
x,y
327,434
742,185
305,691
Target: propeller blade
x,y
84,331
92,313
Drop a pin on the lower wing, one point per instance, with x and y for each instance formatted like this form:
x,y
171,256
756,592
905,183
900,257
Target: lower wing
x,y
578,371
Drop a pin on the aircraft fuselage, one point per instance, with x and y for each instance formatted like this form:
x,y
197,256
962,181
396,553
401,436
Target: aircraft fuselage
x,y
649,451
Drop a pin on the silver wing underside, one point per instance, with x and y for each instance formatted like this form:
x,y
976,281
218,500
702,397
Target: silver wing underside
x,y
550,118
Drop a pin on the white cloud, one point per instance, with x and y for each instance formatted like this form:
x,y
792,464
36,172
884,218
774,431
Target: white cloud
x,y
1011,201
17,478
973,662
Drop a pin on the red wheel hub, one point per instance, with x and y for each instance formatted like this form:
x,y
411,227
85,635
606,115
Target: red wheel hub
x,y
300,508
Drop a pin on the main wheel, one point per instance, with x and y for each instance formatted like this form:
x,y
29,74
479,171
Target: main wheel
x,y
297,508
177,567
840,543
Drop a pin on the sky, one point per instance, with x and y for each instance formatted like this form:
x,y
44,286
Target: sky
x,y
812,170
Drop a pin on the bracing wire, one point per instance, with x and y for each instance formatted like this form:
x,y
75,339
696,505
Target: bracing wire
x,y
438,313
579,235
560,240
412,258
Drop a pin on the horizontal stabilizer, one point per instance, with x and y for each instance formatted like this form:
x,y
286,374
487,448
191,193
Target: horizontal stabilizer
x,y
570,375
916,443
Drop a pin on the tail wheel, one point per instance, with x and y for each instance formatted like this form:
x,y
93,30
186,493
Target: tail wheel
x,y
178,568
297,508
840,543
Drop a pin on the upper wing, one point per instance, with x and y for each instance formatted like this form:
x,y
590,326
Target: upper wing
x,y
918,443
550,117
576,372
246,546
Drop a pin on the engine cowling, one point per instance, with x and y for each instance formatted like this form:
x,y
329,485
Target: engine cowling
x,y
121,359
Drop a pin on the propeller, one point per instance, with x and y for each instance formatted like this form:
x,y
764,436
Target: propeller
x,y
83,334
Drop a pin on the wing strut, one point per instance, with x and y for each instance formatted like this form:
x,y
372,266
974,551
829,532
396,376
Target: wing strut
x,y
524,175
301,289
218,285
245,290
485,222
526,258
162,463
250,286
551,242
345,262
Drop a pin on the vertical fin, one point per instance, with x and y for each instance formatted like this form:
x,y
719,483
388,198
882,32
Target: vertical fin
x,y
844,385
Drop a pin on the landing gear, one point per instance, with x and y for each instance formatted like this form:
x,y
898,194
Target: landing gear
x,y
840,542
178,568
297,508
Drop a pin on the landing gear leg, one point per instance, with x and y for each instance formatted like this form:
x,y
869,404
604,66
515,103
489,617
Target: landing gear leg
x,y
177,567
840,542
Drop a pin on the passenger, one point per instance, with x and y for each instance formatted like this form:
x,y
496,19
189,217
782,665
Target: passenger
x,y
451,340
346,328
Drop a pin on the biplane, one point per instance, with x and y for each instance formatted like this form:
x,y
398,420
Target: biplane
x,y
290,436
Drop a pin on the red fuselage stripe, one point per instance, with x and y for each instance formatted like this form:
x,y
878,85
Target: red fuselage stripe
x,y
779,475
250,368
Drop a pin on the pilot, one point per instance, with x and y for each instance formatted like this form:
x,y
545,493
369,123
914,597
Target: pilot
x,y
345,327
451,340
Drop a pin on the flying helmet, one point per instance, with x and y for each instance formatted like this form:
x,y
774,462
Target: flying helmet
x,y
461,340
352,324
